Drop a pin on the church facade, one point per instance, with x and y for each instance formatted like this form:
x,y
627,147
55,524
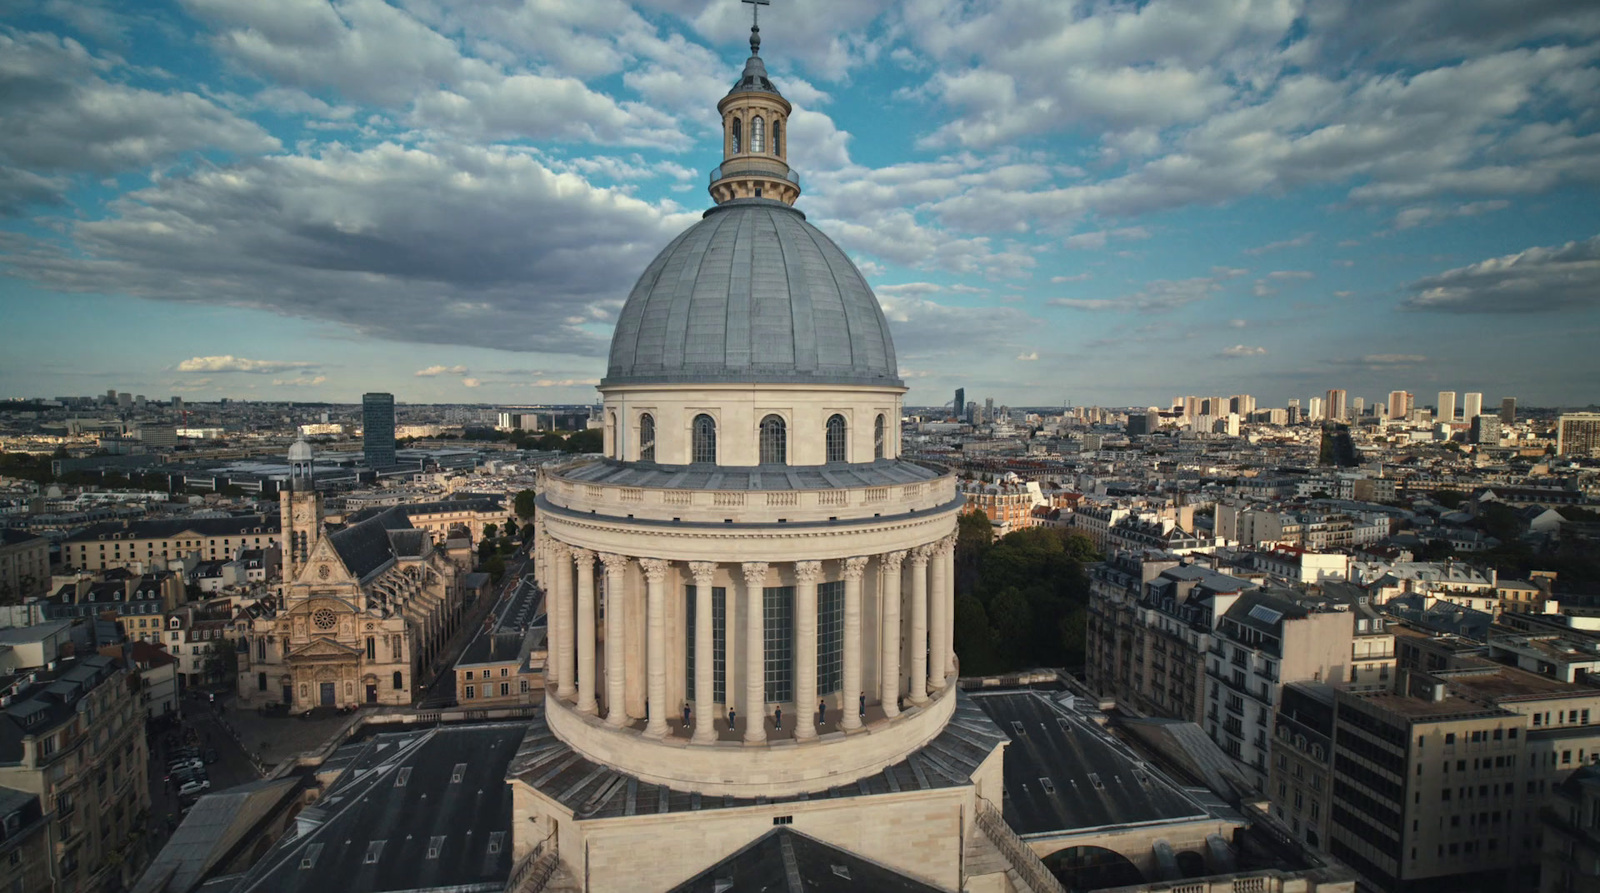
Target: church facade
x,y
363,611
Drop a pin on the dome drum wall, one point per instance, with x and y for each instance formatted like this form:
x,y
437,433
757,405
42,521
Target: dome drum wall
x,y
870,416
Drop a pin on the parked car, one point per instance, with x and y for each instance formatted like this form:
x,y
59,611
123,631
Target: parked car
x,y
192,788
185,764
183,775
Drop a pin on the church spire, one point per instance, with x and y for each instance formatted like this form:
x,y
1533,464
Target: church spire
x,y
755,123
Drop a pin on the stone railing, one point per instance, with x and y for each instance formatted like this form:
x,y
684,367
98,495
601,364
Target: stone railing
x,y
1021,856
756,167
532,873
749,506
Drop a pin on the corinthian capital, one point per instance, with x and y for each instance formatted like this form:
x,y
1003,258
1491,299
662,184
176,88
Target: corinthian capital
x,y
582,555
921,554
807,572
702,571
893,560
855,567
755,573
655,569
615,564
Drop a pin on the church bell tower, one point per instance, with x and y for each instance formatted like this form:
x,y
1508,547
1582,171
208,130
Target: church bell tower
x,y
755,136
300,508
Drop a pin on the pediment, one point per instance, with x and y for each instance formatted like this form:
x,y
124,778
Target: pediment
x,y
325,648
324,566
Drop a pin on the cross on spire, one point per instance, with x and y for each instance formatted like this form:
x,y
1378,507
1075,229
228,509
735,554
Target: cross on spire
x,y
755,24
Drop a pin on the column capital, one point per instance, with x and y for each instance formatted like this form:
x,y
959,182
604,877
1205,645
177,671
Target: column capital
x,y
702,571
561,549
921,554
893,560
947,544
855,567
807,572
755,573
614,563
579,554
655,569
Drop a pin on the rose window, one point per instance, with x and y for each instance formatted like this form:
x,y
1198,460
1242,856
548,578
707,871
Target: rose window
x,y
324,618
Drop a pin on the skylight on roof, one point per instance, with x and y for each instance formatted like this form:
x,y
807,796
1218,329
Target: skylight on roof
x,y
435,844
310,860
374,850
1265,614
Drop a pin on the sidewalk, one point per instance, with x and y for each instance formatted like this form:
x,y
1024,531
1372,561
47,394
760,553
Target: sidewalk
x,y
273,738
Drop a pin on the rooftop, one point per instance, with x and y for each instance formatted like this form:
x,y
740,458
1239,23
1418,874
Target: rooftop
x,y
786,861
1064,773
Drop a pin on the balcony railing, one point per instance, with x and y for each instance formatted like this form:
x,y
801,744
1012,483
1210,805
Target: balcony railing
x,y
746,168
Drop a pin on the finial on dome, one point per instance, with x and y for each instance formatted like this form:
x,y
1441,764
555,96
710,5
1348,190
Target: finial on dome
x,y
755,24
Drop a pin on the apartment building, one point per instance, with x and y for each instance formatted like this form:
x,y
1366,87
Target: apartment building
x,y
1263,641
24,565
1439,782
1570,854
504,663
137,602
1151,622
193,635
71,738
117,543
1300,782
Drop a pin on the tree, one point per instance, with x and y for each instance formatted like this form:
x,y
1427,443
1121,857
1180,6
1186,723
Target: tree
x,y
590,440
524,504
511,527
490,531
222,661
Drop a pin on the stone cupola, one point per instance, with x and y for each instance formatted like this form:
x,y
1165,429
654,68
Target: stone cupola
x,y
755,137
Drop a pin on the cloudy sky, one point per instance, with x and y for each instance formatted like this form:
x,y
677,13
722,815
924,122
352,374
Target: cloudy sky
x,y
1056,200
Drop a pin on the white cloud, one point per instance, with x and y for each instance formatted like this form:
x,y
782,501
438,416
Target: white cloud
x,y
433,371
230,363
1239,351
1077,277
471,382
1299,241
1097,240
1532,281
304,381
1424,215
1028,356
1291,274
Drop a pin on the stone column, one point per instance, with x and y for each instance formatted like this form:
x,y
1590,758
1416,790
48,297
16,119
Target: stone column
x,y
919,624
705,704
805,648
755,652
850,698
585,629
655,575
889,652
560,646
616,571
950,608
939,608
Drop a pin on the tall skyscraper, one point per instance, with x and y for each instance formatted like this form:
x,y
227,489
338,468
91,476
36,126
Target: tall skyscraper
x,y
1471,405
1578,434
1508,410
1315,410
1242,404
1294,411
377,429
1486,430
1447,407
1358,405
960,407
988,409
1336,404
1399,405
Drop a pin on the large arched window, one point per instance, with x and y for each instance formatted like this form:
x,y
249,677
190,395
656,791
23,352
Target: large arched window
x,y
705,439
647,438
774,440
758,134
777,137
835,438
738,135
877,437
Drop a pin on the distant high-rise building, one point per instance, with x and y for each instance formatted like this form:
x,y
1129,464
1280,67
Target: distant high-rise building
x,y
1358,406
1316,411
124,399
1447,406
1242,404
1486,429
111,395
1294,412
972,412
177,402
960,405
1578,434
377,429
988,409
1400,405
1336,404
1508,410
1471,405
138,400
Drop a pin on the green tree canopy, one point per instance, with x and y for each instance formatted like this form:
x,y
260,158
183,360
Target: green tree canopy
x,y
524,504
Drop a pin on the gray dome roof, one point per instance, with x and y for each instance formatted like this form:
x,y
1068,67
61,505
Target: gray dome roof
x,y
752,294
300,451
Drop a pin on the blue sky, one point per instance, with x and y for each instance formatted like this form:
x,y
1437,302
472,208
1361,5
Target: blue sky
x,y
1096,202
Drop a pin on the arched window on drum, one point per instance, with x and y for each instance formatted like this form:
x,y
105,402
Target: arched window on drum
x,y
704,439
758,134
736,136
835,438
877,437
774,441
647,438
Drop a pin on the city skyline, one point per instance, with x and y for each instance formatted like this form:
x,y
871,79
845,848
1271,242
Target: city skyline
x,y
1217,197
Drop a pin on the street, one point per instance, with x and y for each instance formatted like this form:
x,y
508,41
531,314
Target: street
x,y
199,725
441,692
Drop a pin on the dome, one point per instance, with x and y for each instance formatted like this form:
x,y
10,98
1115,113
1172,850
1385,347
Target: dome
x,y
752,294
300,451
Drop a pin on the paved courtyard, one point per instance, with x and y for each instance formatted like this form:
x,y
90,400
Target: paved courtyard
x,y
275,737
